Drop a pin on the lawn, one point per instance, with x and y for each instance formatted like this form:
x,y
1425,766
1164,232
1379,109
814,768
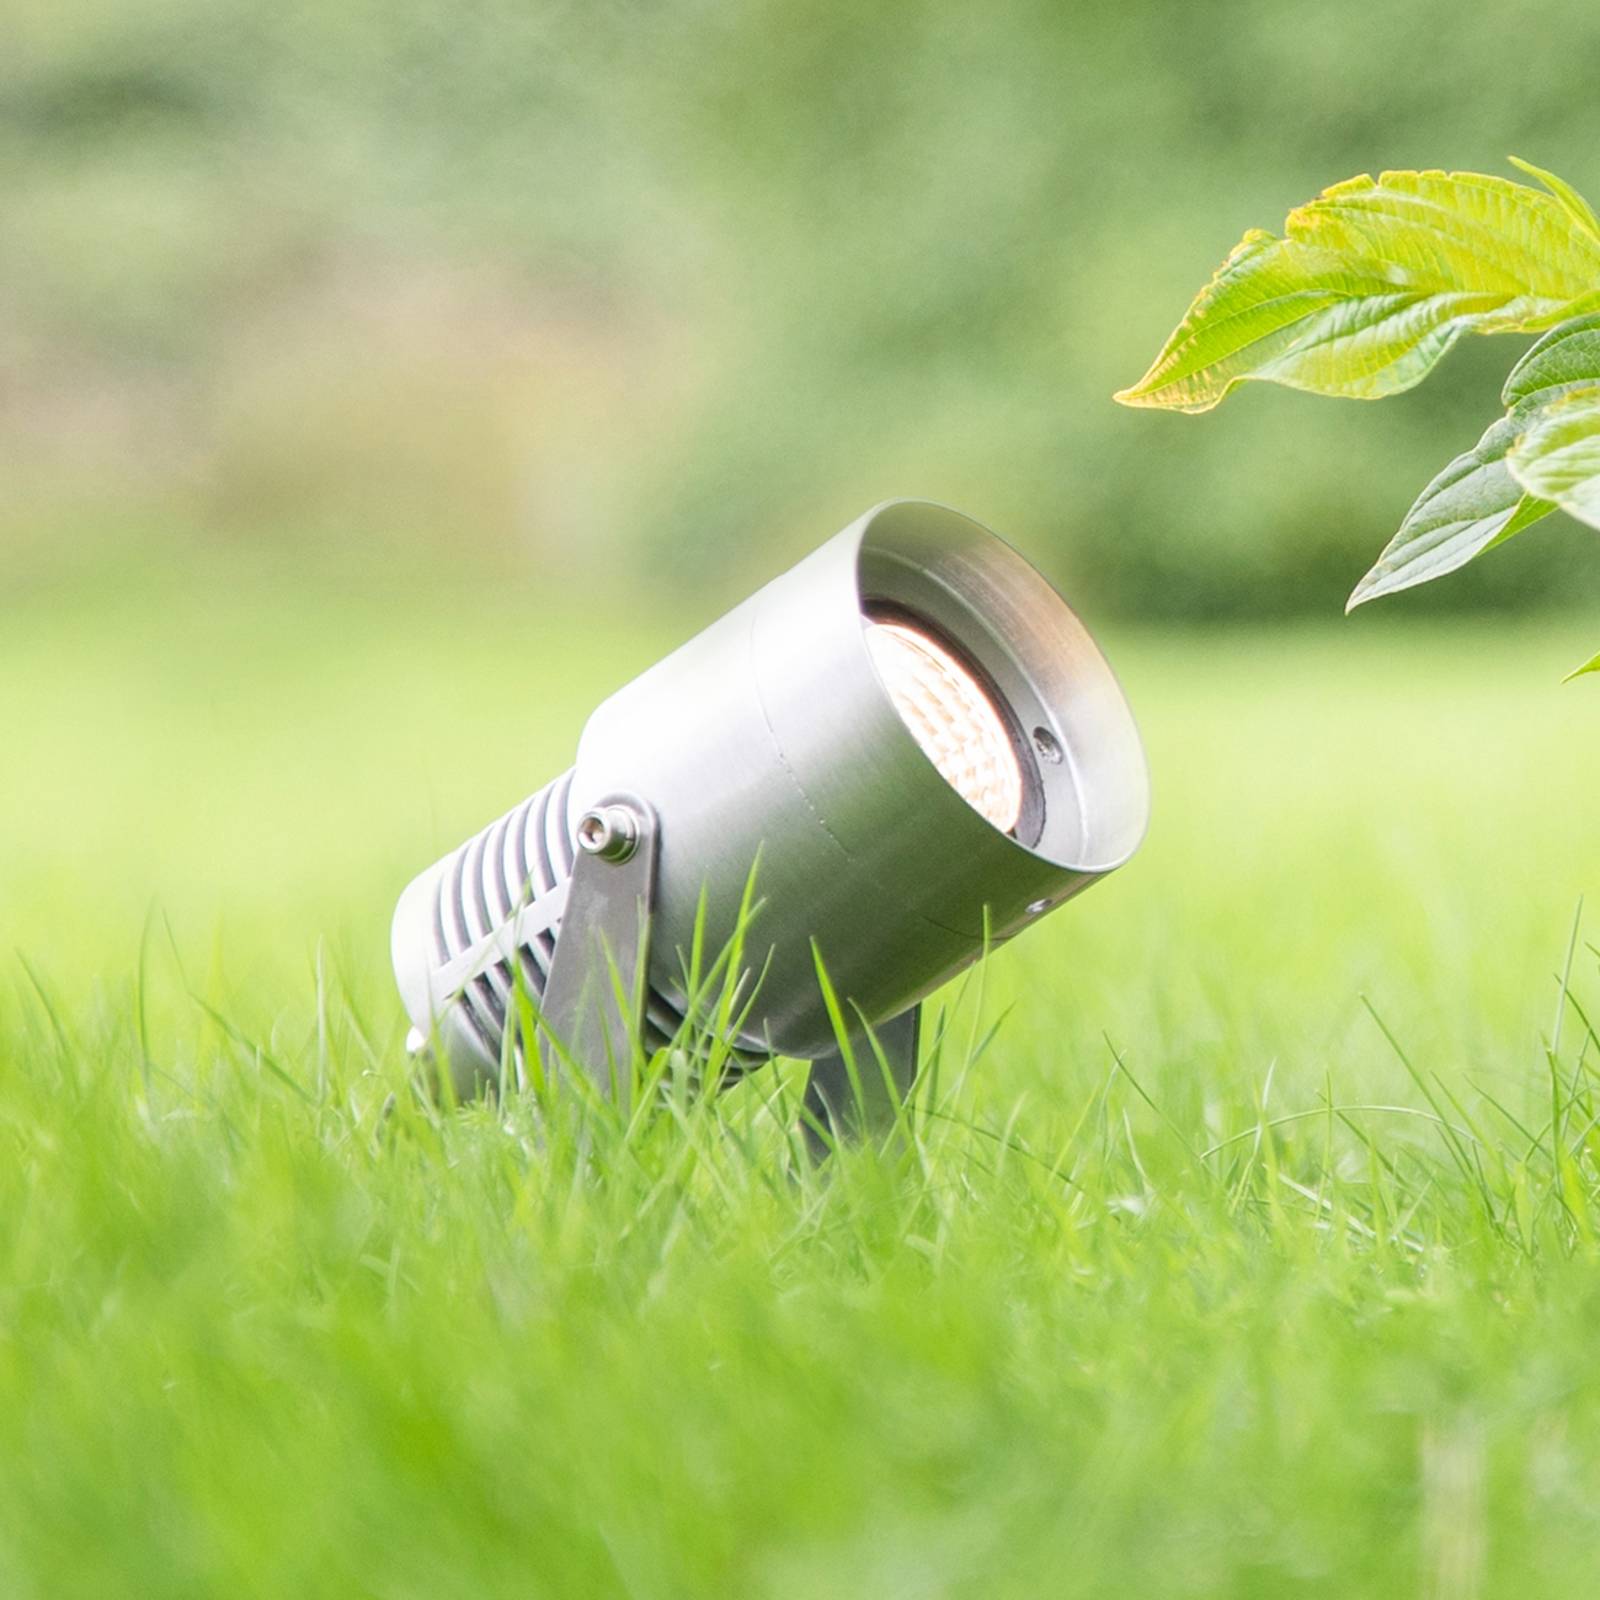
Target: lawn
x,y
1245,1244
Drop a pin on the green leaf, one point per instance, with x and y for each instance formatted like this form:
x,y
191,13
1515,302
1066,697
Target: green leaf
x,y
1558,457
1578,208
1280,311
1567,357
1371,285
1461,232
1473,504
1591,665
1476,502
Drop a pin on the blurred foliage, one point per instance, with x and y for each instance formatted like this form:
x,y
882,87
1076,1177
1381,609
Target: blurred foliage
x,y
681,287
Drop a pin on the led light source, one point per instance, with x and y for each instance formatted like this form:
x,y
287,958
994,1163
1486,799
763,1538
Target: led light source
x,y
912,732
951,715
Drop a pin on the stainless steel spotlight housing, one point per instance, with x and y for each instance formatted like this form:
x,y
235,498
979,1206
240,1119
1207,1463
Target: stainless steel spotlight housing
x,y
910,729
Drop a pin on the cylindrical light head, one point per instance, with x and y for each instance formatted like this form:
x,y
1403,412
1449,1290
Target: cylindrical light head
x,y
910,738
919,738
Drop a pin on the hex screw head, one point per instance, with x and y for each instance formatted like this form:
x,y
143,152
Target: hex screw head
x,y
609,832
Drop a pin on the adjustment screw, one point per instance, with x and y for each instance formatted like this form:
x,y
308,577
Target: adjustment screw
x,y
610,832
1047,745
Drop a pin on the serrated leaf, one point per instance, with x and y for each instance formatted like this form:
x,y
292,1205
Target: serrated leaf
x,y
1371,285
1461,232
1558,457
1473,504
1280,311
1591,665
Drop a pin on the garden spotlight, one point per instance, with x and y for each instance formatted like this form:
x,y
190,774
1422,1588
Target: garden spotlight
x,y
910,729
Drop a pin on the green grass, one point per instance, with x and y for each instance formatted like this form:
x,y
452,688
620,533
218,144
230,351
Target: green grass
x,y
1153,1300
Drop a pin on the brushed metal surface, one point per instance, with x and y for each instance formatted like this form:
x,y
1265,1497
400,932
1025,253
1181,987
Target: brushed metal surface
x,y
771,736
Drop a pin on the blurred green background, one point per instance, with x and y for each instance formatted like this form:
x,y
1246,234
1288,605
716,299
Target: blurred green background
x,y
382,385
521,290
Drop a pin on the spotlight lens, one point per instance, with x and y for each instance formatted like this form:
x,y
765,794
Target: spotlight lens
x,y
952,716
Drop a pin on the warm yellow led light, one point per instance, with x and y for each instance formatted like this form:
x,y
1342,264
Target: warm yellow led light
x,y
952,716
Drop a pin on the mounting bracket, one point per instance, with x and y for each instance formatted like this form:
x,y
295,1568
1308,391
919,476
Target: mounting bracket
x,y
593,1008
